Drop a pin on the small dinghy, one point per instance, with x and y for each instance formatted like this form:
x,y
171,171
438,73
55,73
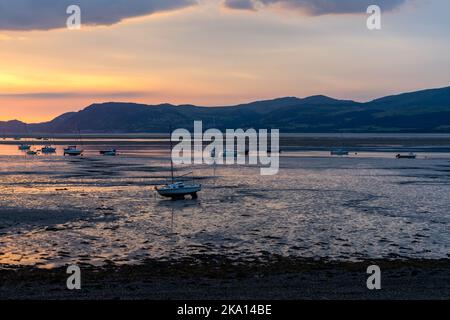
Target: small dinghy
x,y
339,152
406,156
48,149
31,153
111,152
72,151
24,147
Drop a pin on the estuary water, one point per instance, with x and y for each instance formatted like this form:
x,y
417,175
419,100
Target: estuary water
x,y
56,210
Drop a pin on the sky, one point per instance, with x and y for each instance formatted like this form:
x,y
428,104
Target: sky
x,y
214,52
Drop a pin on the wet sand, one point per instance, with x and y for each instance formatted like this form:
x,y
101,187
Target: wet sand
x,y
215,277
246,237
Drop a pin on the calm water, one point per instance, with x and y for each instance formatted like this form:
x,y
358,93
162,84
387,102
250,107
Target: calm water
x,y
57,210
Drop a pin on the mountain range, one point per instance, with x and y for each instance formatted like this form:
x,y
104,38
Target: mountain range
x,y
426,111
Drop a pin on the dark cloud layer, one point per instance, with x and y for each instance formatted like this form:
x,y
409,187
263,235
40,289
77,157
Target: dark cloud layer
x,y
51,14
317,7
240,4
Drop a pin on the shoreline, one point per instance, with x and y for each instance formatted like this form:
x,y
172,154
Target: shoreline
x,y
286,142
217,277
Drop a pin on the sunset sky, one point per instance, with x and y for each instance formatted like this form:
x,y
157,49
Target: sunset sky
x,y
214,52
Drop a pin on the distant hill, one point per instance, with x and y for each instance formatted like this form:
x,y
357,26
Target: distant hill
x,y
426,111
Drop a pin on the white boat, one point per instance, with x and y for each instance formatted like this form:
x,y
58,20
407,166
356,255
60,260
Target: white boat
x,y
339,152
24,147
111,152
179,190
72,151
48,149
410,155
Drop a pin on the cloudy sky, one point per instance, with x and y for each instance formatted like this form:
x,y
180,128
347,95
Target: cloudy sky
x,y
214,52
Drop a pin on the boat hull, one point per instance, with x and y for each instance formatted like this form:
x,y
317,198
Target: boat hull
x,y
72,153
110,153
339,153
48,150
179,193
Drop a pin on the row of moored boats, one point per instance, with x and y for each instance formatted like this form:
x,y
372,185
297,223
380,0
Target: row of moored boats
x,y
68,151
342,152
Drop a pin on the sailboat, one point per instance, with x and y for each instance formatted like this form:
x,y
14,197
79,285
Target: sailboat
x,y
24,147
178,190
341,151
72,151
48,149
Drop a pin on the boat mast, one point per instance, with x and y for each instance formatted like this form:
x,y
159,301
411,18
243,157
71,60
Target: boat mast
x,y
170,155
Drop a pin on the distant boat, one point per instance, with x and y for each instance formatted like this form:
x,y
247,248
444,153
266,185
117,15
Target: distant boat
x,y
17,138
24,147
72,151
110,152
406,156
339,152
31,153
48,149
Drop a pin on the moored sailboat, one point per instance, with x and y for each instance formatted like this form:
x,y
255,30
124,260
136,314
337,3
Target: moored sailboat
x,y
410,155
72,151
24,147
178,190
48,149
